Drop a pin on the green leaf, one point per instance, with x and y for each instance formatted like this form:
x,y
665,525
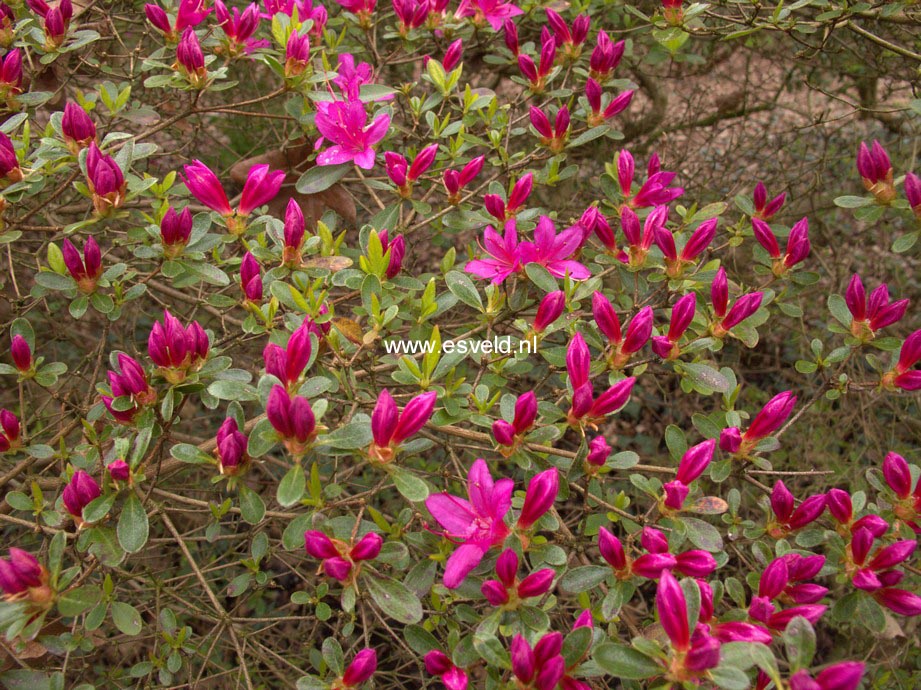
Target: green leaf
x,y
705,379
584,578
838,308
76,601
703,535
576,645
463,288
541,277
356,434
409,485
98,508
730,678
799,640
133,527
292,486
126,618
252,508
186,452
853,201
228,389
394,599
625,662
321,177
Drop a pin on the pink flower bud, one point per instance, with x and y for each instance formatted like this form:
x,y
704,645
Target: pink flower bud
x,y
189,54
673,612
337,568
78,127
652,565
495,592
21,353
119,470
766,237
260,188
523,662
611,549
703,655
771,417
536,584
839,505
231,447
900,601
361,669
695,461
699,240
549,310
741,309
319,545
175,230
719,293
638,331
695,563
539,497
204,186
798,245
606,318
578,361
80,492
598,451
367,548
897,475
675,494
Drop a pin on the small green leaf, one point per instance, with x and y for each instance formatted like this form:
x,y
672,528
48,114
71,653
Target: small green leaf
x,y
625,662
321,177
409,485
76,601
133,527
584,578
292,486
252,508
126,618
463,288
394,599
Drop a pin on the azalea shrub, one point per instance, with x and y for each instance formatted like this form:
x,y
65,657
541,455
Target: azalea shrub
x,y
481,345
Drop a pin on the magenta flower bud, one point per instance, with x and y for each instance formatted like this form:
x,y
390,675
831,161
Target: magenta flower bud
x,y
510,35
361,669
260,188
774,579
782,501
695,563
630,225
525,412
250,278
839,505
719,293
900,601
842,676
25,567
78,127
548,647
414,416
549,310
798,245
897,475
437,663
367,548
337,568
536,584
157,18
86,269
294,228
547,56
614,398
806,593
384,418
913,193
808,511
292,419
593,95
856,298
10,425
703,655
495,592
503,432
578,361
695,461
654,540
540,495
79,493
175,230
319,545
453,55
731,440
11,71
741,309
520,193
611,549
189,54
699,240
874,524
638,331
55,26
495,206
397,248
297,54
231,447
606,318
523,662
673,612
598,451
662,346
890,556
584,620
550,674
21,353
766,237
652,565
204,186
119,470
682,315
507,567
396,168
764,209
771,416
675,494
527,68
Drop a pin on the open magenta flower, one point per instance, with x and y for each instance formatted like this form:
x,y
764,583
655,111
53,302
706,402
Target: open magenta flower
x,y
79,493
785,518
287,364
345,123
492,12
293,419
455,182
177,350
437,663
504,254
231,448
768,420
876,171
553,251
390,426
764,209
725,318
477,525
873,314
666,346
508,591
85,270
797,244
845,675
509,434
502,211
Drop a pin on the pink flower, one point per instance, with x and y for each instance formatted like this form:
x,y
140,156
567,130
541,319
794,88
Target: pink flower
x,y
361,669
177,349
437,663
876,171
654,192
764,209
260,188
288,363
204,186
873,314
345,123
493,12
552,250
504,254
845,675
666,346
521,190
539,498
477,524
